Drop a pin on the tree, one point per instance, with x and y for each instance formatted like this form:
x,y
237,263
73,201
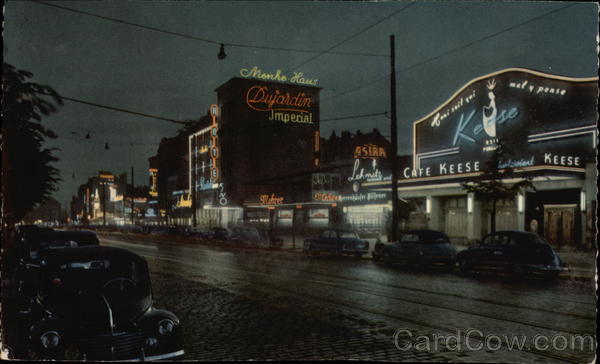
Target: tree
x,y
28,177
490,185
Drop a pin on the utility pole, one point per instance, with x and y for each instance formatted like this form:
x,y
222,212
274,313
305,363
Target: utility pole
x,y
394,131
132,197
193,184
103,203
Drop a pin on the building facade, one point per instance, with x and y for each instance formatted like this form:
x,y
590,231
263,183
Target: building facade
x,y
546,122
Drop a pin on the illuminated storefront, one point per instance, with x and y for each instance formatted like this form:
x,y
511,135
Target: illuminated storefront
x,y
367,210
547,122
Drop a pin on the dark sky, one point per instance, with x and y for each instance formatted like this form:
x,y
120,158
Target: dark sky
x,y
440,46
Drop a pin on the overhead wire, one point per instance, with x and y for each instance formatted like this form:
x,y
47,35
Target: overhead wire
x,y
450,51
354,35
192,37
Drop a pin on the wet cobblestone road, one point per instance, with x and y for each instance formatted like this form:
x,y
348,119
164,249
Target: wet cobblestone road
x,y
247,304
219,325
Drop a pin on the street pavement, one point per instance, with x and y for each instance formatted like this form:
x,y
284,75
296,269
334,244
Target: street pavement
x,y
268,304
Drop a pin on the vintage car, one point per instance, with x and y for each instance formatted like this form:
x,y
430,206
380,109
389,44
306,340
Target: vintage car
x,y
95,303
337,241
36,244
417,248
33,244
518,252
217,235
255,237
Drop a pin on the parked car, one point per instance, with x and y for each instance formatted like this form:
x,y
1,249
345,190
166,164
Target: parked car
x,y
35,244
255,237
217,234
418,247
517,252
95,303
337,241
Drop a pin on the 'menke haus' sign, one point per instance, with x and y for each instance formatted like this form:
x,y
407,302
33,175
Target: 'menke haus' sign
x,y
546,121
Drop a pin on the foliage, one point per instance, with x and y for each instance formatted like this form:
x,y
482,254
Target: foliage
x,y
28,177
491,186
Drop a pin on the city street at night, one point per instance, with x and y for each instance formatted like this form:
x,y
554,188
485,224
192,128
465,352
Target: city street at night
x,y
270,304
394,181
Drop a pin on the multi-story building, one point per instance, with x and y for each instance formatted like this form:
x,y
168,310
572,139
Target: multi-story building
x,y
103,200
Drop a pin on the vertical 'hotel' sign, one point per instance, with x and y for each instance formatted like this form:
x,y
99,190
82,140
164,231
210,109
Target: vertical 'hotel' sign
x,y
214,151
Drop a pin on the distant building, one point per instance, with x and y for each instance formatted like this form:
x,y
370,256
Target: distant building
x,y
103,199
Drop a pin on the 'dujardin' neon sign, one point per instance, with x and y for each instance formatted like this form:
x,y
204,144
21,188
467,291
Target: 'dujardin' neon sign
x,y
284,107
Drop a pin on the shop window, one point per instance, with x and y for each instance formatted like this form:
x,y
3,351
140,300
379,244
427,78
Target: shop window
x,y
284,214
455,202
319,213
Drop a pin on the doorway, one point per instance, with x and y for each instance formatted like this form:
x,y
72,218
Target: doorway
x,y
559,222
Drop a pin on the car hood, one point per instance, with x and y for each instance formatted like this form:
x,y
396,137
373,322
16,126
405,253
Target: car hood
x,y
92,307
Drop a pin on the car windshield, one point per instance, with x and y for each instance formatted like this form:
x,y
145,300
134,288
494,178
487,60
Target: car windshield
x,y
88,274
44,243
531,239
409,238
348,235
424,237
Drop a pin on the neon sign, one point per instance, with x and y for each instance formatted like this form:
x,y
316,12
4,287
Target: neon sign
x,y
369,151
359,174
270,199
259,98
297,77
153,181
214,152
326,196
545,121
222,195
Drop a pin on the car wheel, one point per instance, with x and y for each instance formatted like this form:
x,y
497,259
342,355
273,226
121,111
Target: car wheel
x,y
463,265
375,256
387,259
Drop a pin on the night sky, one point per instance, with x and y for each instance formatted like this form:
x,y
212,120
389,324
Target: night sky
x,y
440,46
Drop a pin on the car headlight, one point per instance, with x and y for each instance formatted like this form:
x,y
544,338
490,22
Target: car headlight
x,y
50,339
165,327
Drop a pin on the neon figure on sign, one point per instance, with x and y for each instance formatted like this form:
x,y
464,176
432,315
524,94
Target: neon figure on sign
x,y
489,112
